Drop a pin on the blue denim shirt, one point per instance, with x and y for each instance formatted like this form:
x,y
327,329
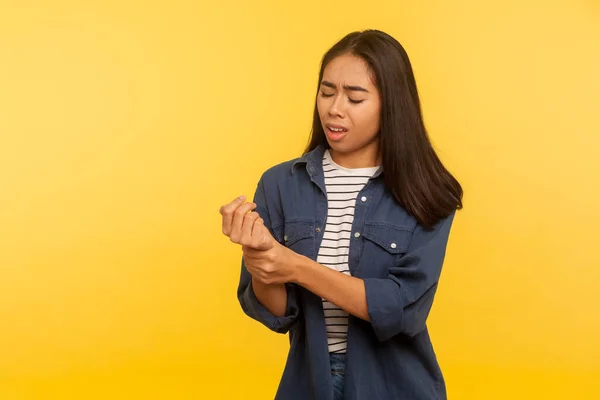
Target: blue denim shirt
x,y
389,357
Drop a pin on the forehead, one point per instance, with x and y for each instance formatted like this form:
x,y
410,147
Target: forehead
x,y
348,69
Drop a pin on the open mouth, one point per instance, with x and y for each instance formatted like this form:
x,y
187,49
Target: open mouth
x,y
335,132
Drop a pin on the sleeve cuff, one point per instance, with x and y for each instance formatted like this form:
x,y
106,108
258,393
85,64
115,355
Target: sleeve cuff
x,y
264,316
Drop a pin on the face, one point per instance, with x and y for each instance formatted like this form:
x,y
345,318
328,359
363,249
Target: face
x,y
349,107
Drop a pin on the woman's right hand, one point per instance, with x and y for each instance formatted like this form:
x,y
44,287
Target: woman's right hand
x,y
244,226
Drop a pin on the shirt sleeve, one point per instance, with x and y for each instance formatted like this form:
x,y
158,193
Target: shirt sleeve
x,y
246,296
400,303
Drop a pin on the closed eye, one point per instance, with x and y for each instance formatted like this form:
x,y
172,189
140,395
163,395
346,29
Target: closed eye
x,y
323,94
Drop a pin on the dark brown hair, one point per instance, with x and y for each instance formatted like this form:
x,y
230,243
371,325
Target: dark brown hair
x,y
412,170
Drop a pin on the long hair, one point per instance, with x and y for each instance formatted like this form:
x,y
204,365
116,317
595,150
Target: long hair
x,y
412,170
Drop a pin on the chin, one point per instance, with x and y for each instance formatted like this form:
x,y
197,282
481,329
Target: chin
x,y
339,147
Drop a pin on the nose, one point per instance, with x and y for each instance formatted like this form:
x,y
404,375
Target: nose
x,y
336,108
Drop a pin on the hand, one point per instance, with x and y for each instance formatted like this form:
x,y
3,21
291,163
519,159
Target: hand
x,y
245,227
272,266
265,258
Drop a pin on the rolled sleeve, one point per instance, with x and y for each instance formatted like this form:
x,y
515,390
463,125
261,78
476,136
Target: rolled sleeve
x,y
400,303
255,310
246,296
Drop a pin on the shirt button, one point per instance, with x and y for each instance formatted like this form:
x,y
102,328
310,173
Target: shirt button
x,y
393,245
318,229
285,238
356,234
363,199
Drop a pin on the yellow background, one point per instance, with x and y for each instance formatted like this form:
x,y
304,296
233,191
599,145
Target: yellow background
x,y
124,125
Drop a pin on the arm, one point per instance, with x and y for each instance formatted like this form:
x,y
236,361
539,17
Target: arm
x,y
274,305
272,296
397,304
345,291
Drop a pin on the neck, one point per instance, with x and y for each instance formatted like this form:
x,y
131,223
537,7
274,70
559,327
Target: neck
x,y
365,157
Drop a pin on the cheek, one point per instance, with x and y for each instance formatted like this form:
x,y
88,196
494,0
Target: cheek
x,y
321,108
376,121
368,120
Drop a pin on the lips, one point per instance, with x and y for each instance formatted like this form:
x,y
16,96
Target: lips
x,y
336,128
335,132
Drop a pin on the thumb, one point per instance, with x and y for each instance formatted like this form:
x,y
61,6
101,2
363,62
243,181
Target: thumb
x,y
262,238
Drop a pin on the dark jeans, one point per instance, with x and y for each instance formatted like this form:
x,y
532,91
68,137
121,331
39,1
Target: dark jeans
x,y
338,366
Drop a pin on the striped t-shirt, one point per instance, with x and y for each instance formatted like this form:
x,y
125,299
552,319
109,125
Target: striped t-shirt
x,y
342,185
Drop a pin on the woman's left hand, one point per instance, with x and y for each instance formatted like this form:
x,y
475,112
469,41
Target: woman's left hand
x,y
275,265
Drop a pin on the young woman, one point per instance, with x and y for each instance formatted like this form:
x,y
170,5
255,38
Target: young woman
x,y
343,247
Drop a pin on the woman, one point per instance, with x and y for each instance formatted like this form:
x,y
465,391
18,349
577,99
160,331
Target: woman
x,y
343,247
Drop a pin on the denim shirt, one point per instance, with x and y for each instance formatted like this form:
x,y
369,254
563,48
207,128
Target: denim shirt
x,y
388,357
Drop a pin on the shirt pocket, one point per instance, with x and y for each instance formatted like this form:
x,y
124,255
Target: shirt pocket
x,y
299,236
384,244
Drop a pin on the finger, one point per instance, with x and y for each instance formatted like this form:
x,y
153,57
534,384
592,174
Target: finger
x,y
230,207
238,219
247,224
227,212
256,228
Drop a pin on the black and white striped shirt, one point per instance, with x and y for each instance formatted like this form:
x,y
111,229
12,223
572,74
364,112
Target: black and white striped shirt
x,y
342,185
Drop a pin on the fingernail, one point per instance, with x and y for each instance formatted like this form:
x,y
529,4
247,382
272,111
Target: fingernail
x,y
242,197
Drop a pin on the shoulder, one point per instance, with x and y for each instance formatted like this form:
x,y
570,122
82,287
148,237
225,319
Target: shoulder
x,y
437,234
280,172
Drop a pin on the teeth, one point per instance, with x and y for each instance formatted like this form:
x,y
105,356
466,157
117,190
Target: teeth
x,y
336,129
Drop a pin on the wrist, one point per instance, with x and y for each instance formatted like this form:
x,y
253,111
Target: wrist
x,y
300,266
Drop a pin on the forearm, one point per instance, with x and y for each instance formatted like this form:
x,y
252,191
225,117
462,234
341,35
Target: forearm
x,y
345,291
273,297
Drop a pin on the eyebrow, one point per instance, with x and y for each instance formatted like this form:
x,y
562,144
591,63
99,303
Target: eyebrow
x,y
347,87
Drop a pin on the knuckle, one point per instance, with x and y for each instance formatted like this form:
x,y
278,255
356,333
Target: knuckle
x,y
240,211
251,216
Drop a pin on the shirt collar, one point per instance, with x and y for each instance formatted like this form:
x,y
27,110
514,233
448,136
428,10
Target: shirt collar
x,y
314,160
